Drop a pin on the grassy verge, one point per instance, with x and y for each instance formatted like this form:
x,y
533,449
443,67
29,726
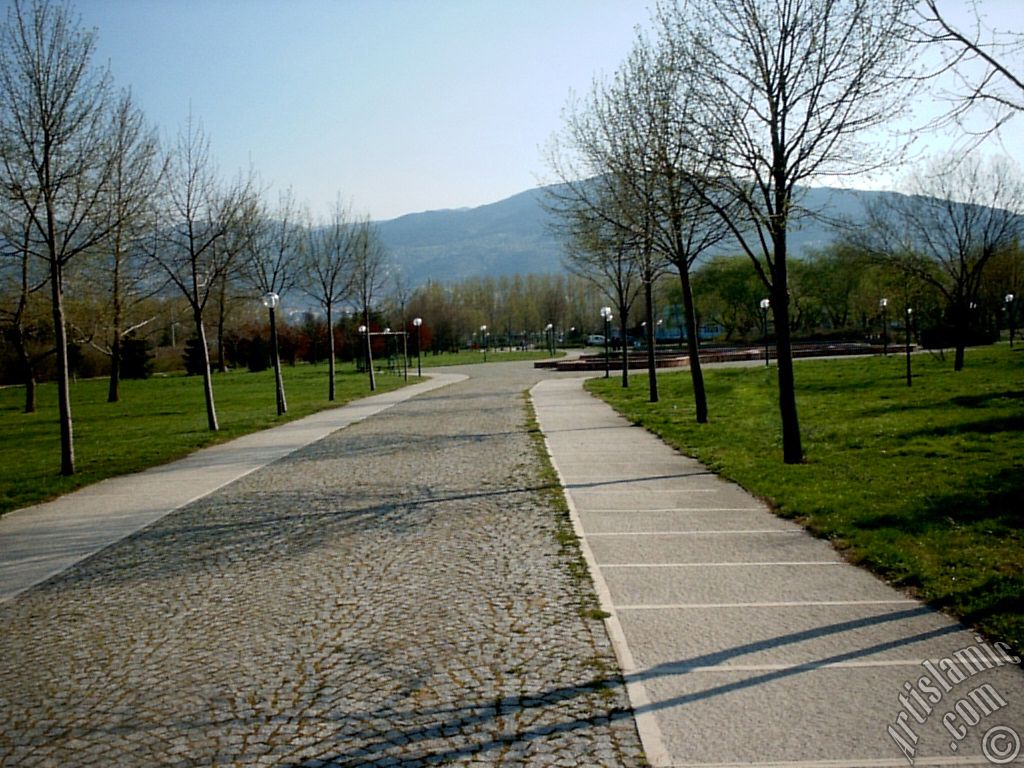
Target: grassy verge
x,y
568,541
476,356
157,420
924,485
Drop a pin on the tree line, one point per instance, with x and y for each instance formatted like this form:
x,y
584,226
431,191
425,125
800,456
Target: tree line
x,y
726,110
94,210
698,145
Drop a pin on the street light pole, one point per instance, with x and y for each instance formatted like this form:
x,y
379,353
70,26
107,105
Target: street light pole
x,y
405,354
270,301
765,304
910,316
882,304
365,330
1010,298
606,313
549,334
483,338
419,365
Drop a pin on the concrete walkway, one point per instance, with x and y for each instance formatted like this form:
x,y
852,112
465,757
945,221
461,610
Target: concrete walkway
x,y
44,540
745,641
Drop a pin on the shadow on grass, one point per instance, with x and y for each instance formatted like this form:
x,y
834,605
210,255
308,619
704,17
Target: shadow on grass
x,y
1000,503
960,401
983,426
976,401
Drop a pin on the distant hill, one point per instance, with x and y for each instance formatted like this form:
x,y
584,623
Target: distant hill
x,y
509,237
515,236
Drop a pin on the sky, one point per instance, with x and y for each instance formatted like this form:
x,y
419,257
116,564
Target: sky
x,y
391,106
397,106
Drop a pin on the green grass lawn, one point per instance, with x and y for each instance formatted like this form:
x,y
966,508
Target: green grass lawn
x,y
475,356
922,484
157,420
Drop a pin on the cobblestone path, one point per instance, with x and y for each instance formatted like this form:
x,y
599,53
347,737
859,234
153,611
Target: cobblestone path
x,y
392,595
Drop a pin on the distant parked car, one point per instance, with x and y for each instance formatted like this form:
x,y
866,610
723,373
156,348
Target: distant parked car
x,y
595,340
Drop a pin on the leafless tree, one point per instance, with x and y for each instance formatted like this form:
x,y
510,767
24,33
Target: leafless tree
x,y
271,262
369,260
606,179
55,163
956,216
201,236
329,272
662,159
22,278
121,267
981,68
786,89
599,252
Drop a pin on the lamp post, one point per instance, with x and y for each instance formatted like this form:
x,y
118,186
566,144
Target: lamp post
x,y
270,301
549,333
1010,298
606,314
910,316
882,304
418,322
365,330
483,338
765,304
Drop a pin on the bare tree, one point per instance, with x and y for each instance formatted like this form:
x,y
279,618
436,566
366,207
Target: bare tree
x,y
328,272
983,67
958,214
123,268
660,156
271,261
606,178
22,278
54,153
786,87
201,237
598,252
368,276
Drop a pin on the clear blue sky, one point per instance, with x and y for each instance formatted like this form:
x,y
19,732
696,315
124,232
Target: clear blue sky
x,y
397,106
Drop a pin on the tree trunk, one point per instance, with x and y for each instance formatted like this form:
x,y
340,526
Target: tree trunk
x,y
331,391
693,347
282,404
27,368
67,438
623,330
211,408
961,332
792,450
222,364
369,354
652,365
114,387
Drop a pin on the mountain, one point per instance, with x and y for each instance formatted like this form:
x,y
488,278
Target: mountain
x,y
516,236
509,237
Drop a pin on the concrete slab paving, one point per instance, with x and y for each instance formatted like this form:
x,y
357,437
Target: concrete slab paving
x,y
745,641
616,522
807,716
41,541
690,547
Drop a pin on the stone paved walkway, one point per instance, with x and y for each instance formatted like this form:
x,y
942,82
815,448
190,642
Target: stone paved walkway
x,y
393,594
